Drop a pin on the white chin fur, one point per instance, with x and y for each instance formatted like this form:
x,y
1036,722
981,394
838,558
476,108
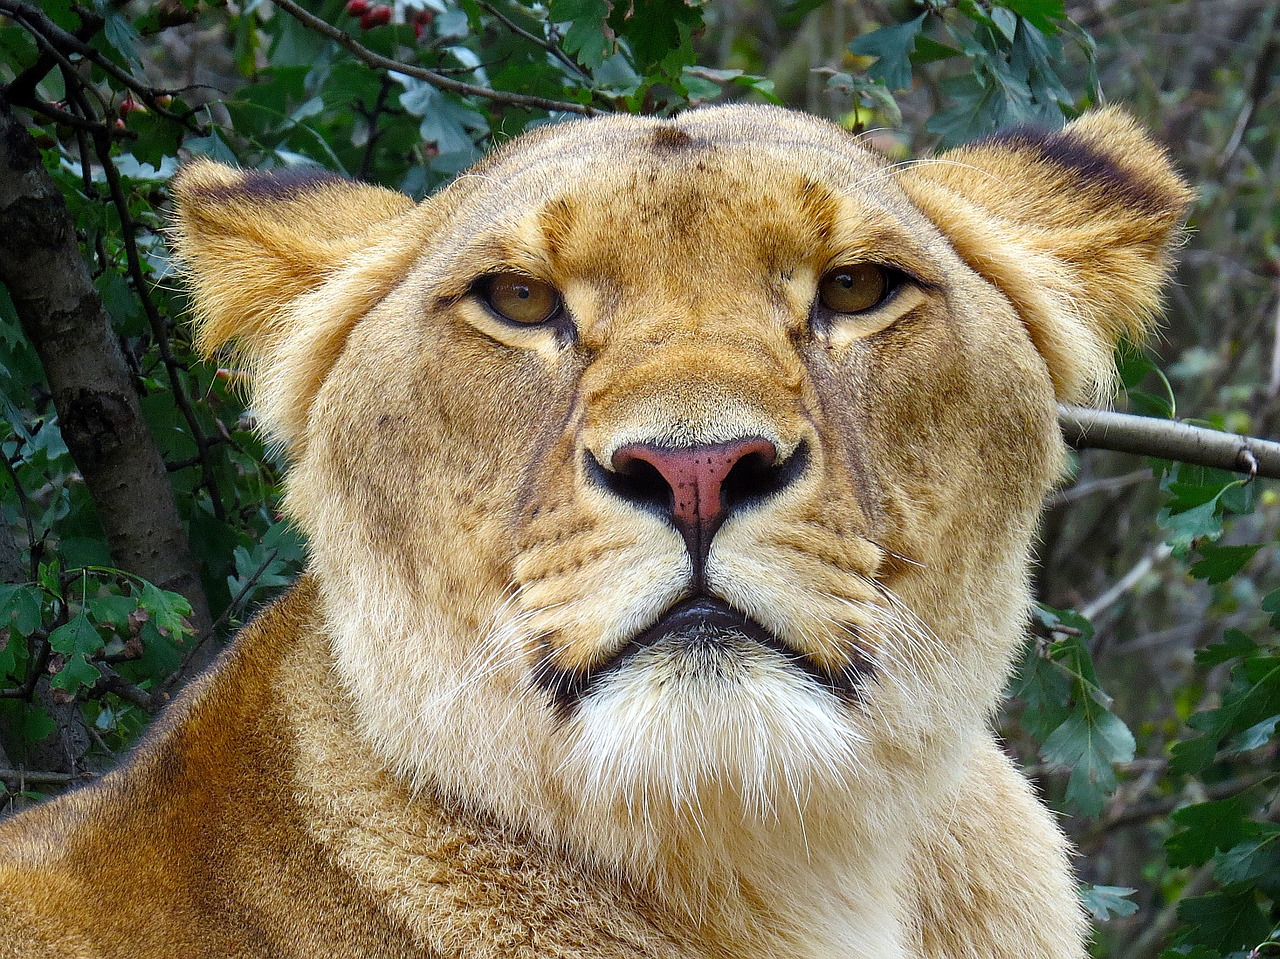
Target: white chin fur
x,y
689,729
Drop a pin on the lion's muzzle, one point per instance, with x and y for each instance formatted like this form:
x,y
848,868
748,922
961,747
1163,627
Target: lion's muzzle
x,y
708,638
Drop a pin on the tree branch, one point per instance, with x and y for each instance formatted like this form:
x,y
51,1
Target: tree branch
x,y
437,80
1168,439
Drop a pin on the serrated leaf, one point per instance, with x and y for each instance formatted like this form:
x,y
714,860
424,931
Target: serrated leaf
x,y
10,644
112,609
76,637
1234,645
1219,563
1044,691
1225,920
1142,403
1189,525
1249,860
928,51
588,39
893,46
75,674
167,609
1104,902
1206,828
1088,744
1255,737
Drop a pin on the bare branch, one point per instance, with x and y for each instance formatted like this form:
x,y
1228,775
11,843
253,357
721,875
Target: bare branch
x,y
1168,439
437,80
40,778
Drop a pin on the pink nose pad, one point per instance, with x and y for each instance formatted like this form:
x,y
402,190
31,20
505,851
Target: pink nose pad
x,y
696,477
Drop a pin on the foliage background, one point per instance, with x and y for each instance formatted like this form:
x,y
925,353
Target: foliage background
x,y
1157,580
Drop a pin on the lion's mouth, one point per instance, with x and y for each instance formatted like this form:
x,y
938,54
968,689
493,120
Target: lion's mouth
x,y
706,629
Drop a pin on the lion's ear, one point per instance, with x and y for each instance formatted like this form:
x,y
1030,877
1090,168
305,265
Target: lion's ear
x,y
1074,226
282,266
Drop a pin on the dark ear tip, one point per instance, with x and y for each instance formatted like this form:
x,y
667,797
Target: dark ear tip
x,y
204,180
1106,150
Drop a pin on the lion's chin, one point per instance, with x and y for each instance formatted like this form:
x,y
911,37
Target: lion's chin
x,y
690,725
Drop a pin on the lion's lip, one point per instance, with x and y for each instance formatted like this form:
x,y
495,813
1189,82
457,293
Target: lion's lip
x,y
699,618
706,622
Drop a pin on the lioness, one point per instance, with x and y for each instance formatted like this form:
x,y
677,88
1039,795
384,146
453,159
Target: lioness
x,y
670,486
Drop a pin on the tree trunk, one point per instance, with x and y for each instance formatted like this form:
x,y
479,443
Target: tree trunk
x,y
98,412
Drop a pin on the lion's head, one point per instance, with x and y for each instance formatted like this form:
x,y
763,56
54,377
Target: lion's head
x,y
668,478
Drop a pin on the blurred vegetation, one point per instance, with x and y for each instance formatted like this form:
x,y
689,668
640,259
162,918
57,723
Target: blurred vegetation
x,y
1157,580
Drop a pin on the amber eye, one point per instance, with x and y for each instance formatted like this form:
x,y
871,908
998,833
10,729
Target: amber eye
x,y
520,299
853,289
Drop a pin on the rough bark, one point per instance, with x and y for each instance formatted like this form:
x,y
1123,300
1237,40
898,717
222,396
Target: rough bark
x,y
98,412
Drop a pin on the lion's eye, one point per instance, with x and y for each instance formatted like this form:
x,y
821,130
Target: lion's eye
x,y
853,289
520,299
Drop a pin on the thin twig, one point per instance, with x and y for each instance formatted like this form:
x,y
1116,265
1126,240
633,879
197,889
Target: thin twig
x,y
550,47
1143,812
129,229
24,507
437,80
1107,484
204,637
1091,611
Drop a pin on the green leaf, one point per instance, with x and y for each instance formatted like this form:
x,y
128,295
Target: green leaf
x,y
1227,920
588,39
1234,645
1044,690
122,36
75,674
1250,860
114,610
1088,744
167,609
1104,902
1206,828
658,32
1185,527
1271,604
20,607
893,46
76,637
1255,737
158,138
1040,13
1219,563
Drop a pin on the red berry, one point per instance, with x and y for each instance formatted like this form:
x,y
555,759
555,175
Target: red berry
x,y
130,105
358,8
376,17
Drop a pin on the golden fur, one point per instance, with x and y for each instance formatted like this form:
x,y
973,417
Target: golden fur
x,y
379,765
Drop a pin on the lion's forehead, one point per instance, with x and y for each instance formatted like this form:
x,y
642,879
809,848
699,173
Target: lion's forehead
x,y
724,187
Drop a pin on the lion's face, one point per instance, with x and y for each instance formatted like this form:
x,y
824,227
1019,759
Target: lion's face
x,y
667,467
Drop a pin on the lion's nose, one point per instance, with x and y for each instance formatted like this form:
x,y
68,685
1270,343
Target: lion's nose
x,y
697,487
